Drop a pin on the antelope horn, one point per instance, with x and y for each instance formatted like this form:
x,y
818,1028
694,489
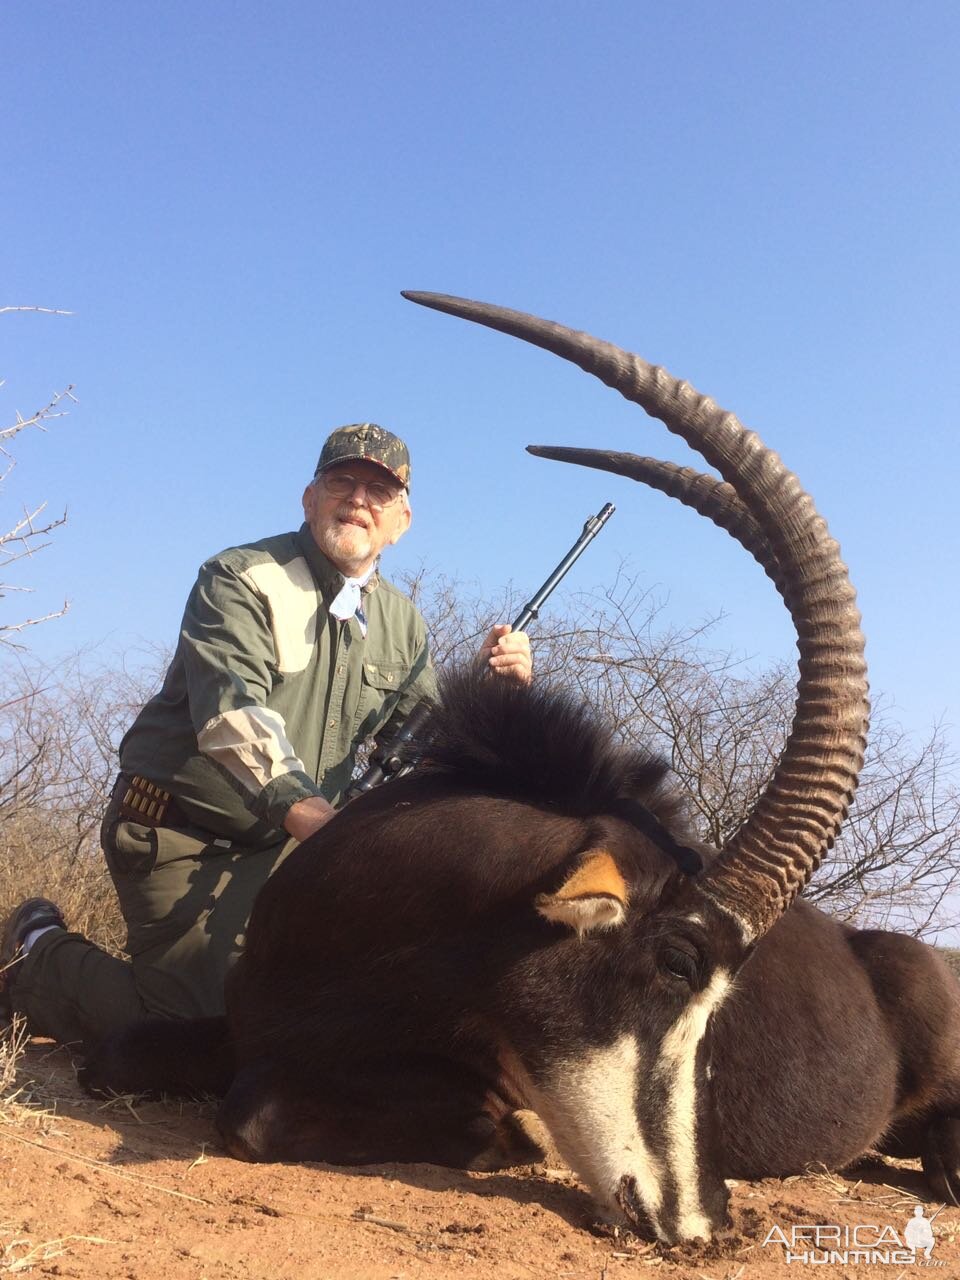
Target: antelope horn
x,y
797,817
704,493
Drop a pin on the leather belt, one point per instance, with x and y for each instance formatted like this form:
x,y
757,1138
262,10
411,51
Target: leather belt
x,y
139,800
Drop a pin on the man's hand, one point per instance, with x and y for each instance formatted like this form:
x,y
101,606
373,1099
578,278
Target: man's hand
x,y
307,816
507,653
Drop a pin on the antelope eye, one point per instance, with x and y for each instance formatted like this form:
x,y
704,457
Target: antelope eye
x,y
680,964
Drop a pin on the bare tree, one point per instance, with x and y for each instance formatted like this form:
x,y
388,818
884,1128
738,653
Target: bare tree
x,y
899,853
30,529
59,730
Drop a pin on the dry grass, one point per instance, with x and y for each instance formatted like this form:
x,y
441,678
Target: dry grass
x,y
76,879
59,726
11,1050
19,1254
23,1100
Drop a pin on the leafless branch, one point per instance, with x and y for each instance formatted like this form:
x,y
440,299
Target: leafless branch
x,y
49,411
59,729
47,311
8,629
26,536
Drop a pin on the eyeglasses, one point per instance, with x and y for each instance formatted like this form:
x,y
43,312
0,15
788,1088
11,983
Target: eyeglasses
x,y
341,485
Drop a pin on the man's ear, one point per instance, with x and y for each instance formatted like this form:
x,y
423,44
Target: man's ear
x,y
309,498
403,523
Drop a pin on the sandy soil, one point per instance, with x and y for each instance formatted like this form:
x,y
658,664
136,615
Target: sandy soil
x,y
140,1191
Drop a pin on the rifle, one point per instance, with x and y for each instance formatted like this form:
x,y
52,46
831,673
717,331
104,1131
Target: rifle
x,y
388,761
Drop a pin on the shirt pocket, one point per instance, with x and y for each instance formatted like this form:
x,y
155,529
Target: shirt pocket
x,y
380,683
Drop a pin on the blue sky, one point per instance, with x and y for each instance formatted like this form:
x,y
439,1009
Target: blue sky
x,y
229,198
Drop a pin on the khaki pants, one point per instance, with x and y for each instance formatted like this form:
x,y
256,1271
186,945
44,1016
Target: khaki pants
x,y
186,898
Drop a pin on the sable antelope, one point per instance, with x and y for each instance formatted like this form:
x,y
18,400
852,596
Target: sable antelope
x,y
525,921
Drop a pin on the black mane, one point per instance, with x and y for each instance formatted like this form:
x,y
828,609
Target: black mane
x,y
541,743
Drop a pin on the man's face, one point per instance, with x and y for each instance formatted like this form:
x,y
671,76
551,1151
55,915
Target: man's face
x,y
348,530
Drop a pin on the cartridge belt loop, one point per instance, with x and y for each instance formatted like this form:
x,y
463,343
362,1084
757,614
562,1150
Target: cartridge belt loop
x,y
140,800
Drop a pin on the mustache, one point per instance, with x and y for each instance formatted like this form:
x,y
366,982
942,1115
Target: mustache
x,y
354,517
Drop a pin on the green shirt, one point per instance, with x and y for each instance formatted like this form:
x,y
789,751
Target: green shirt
x,y
269,696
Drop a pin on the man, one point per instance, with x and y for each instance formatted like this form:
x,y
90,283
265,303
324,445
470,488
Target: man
x,y
293,651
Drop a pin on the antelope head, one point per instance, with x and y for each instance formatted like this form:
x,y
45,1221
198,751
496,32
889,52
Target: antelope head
x,y
655,1163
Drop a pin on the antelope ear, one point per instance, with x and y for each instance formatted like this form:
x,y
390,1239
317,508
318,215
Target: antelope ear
x,y
593,897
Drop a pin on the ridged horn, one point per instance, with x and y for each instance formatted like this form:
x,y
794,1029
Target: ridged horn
x,y
795,821
698,490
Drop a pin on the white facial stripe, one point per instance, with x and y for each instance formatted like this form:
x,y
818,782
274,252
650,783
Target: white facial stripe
x,y
676,1068
746,930
590,1110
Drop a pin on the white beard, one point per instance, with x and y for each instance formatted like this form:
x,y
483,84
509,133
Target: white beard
x,y
349,546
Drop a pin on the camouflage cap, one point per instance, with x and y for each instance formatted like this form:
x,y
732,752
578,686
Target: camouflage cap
x,y
366,442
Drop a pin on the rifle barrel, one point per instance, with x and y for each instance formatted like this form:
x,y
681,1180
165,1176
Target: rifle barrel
x,y
591,528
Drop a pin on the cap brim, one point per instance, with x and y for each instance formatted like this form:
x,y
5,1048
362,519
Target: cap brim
x,y
360,457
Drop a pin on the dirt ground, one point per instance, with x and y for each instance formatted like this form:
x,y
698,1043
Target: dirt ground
x,y
141,1191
